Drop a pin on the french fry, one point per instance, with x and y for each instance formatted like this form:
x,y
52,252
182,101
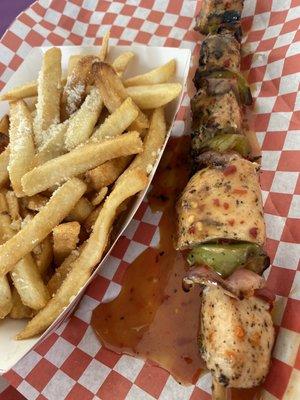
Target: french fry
x,y
79,161
27,90
21,92
74,90
13,209
34,203
81,211
100,196
24,274
104,48
73,60
107,173
49,91
3,203
161,74
113,93
19,310
91,219
65,239
62,271
21,144
121,63
153,142
154,96
29,284
6,302
57,208
116,123
4,141
43,255
82,268
4,160
82,125
4,124
54,143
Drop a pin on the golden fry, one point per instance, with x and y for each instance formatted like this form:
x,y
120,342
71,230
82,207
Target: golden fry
x,y
74,90
81,211
43,255
6,302
19,311
113,93
121,63
82,124
3,203
49,91
104,48
4,124
116,123
21,144
82,268
13,209
57,208
153,142
79,161
107,173
161,74
4,160
65,239
100,196
154,96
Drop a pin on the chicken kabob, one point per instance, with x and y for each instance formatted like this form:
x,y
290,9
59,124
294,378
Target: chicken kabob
x,y
220,213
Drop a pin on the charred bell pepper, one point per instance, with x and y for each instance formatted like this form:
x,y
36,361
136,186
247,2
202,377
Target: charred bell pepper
x,y
223,142
243,87
226,258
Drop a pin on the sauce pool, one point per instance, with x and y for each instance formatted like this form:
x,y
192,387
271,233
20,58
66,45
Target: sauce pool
x,y
153,318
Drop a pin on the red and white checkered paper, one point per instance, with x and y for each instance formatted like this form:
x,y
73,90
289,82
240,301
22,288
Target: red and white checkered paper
x,y
71,364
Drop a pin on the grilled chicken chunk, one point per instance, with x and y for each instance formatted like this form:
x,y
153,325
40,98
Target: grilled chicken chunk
x,y
219,13
222,203
216,112
220,51
237,337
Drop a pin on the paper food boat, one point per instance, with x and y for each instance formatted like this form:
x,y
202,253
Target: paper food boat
x,y
146,58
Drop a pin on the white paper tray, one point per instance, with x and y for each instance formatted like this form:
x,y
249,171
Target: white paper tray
x,y
146,58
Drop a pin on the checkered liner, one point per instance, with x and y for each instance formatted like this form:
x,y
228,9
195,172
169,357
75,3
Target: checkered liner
x,y
71,364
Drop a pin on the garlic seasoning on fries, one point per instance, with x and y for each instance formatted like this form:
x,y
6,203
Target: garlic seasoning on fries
x,y
68,164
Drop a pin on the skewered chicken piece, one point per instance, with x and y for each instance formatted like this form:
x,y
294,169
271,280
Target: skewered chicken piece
x,y
237,337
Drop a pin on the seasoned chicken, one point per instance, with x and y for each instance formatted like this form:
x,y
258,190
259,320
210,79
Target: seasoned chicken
x,y
237,337
220,51
222,203
215,113
219,13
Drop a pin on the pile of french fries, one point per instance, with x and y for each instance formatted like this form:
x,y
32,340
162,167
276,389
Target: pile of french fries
x,y
73,151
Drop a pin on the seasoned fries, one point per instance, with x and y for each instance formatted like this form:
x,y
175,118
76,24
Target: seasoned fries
x,y
6,302
21,144
158,75
77,81
81,211
49,90
71,156
121,63
154,96
82,268
107,173
79,161
153,142
113,92
57,208
117,122
81,126
4,160
65,239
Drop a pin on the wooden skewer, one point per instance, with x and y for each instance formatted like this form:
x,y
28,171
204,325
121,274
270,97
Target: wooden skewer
x,y
219,392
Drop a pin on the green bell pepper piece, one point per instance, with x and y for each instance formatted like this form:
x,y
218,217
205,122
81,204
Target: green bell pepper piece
x,y
223,142
226,258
